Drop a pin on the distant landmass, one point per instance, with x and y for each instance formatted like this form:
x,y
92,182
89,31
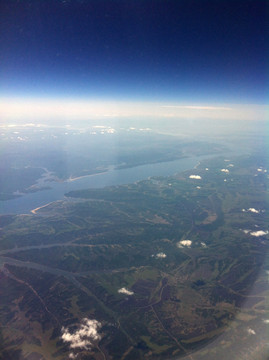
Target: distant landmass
x,y
35,158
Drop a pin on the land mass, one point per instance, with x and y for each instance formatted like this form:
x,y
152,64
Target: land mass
x,y
30,165
163,268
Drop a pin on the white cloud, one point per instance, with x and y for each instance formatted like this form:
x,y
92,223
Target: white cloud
x,y
125,291
186,243
262,170
203,244
259,233
266,321
251,331
254,210
198,177
230,165
198,187
161,255
225,170
110,131
246,231
83,337
206,169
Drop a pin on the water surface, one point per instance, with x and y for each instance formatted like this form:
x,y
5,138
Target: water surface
x,y
30,201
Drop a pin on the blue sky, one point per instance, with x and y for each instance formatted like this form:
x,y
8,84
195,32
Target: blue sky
x,y
172,51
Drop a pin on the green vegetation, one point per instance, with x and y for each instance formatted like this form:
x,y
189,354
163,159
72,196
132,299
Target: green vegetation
x,y
69,261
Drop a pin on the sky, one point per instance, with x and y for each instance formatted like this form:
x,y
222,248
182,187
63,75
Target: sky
x,y
183,52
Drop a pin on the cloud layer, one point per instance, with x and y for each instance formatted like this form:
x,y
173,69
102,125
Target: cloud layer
x,y
19,107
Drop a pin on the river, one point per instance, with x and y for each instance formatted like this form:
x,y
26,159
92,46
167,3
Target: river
x,y
30,201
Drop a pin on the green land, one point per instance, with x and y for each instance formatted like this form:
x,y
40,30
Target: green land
x,y
207,296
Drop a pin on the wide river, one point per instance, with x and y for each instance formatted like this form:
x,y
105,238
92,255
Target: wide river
x,y
28,202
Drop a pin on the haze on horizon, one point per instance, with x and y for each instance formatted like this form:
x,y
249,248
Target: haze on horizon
x,y
35,110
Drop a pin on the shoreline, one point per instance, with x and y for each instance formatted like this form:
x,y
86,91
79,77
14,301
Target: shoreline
x,y
34,211
131,175
70,179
